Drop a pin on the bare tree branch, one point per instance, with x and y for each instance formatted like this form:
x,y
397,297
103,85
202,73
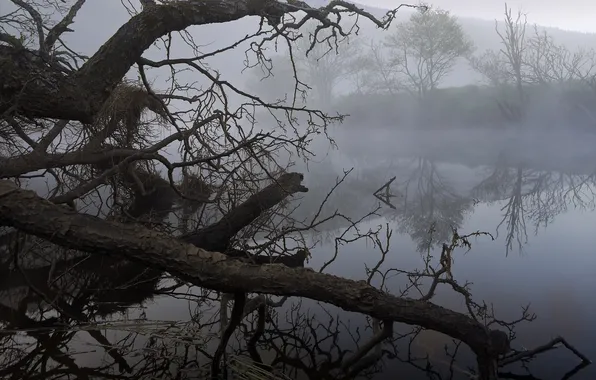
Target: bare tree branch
x,y
25,210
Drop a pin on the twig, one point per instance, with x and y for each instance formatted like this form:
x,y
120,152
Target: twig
x,y
546,347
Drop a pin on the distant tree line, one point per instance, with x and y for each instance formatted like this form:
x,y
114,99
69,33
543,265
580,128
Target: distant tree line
x,y
398,80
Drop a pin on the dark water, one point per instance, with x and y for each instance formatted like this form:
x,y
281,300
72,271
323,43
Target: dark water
x,y
542,254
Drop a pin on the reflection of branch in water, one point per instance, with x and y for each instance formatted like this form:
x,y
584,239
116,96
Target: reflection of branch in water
x,y
318,345
78,288
531,354
530,198
320,353
531,195
386,197
315,343
514,215
546,347
429,201
514,376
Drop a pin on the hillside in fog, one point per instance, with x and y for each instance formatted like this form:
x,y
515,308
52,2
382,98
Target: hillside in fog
x,y
482,33
359,76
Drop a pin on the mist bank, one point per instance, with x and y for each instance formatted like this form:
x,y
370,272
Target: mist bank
x,y
552,150
564,107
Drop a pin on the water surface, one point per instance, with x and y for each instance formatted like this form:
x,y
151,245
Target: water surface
x,y
541,218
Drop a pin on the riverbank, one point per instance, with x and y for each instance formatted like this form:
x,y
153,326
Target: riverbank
x,y
572,153
565,106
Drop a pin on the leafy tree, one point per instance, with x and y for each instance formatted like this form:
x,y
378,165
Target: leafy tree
x,y
425,48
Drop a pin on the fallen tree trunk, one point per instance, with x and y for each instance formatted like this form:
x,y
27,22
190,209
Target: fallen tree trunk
x,y
25,210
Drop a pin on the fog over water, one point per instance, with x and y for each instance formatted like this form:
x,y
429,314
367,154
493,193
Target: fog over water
x,y
536,200
474,155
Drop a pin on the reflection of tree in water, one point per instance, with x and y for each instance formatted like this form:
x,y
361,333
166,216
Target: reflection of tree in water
x,y
532,197
50,296
56,306
429,209
426,206
53,300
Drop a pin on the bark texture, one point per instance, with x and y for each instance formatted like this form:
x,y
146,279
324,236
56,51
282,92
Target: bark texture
x,y
217,236
32,86
32,214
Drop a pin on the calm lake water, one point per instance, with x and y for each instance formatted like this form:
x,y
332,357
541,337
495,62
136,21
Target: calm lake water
x,y
543,255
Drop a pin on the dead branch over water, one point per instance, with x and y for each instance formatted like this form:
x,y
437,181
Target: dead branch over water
x,y
76,120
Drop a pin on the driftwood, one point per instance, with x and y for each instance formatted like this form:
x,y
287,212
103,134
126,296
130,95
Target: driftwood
x,y
156,197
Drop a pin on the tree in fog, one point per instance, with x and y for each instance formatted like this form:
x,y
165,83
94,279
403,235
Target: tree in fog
x,y
513,41
311,68
373,72
507,66
425,49
490,64
529,58
548,62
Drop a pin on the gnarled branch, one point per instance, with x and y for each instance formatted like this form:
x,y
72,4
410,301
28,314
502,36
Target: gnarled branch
x,y
32,214
31,86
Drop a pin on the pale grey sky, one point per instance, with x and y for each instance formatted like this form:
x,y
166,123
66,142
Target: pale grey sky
x,y
579,15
